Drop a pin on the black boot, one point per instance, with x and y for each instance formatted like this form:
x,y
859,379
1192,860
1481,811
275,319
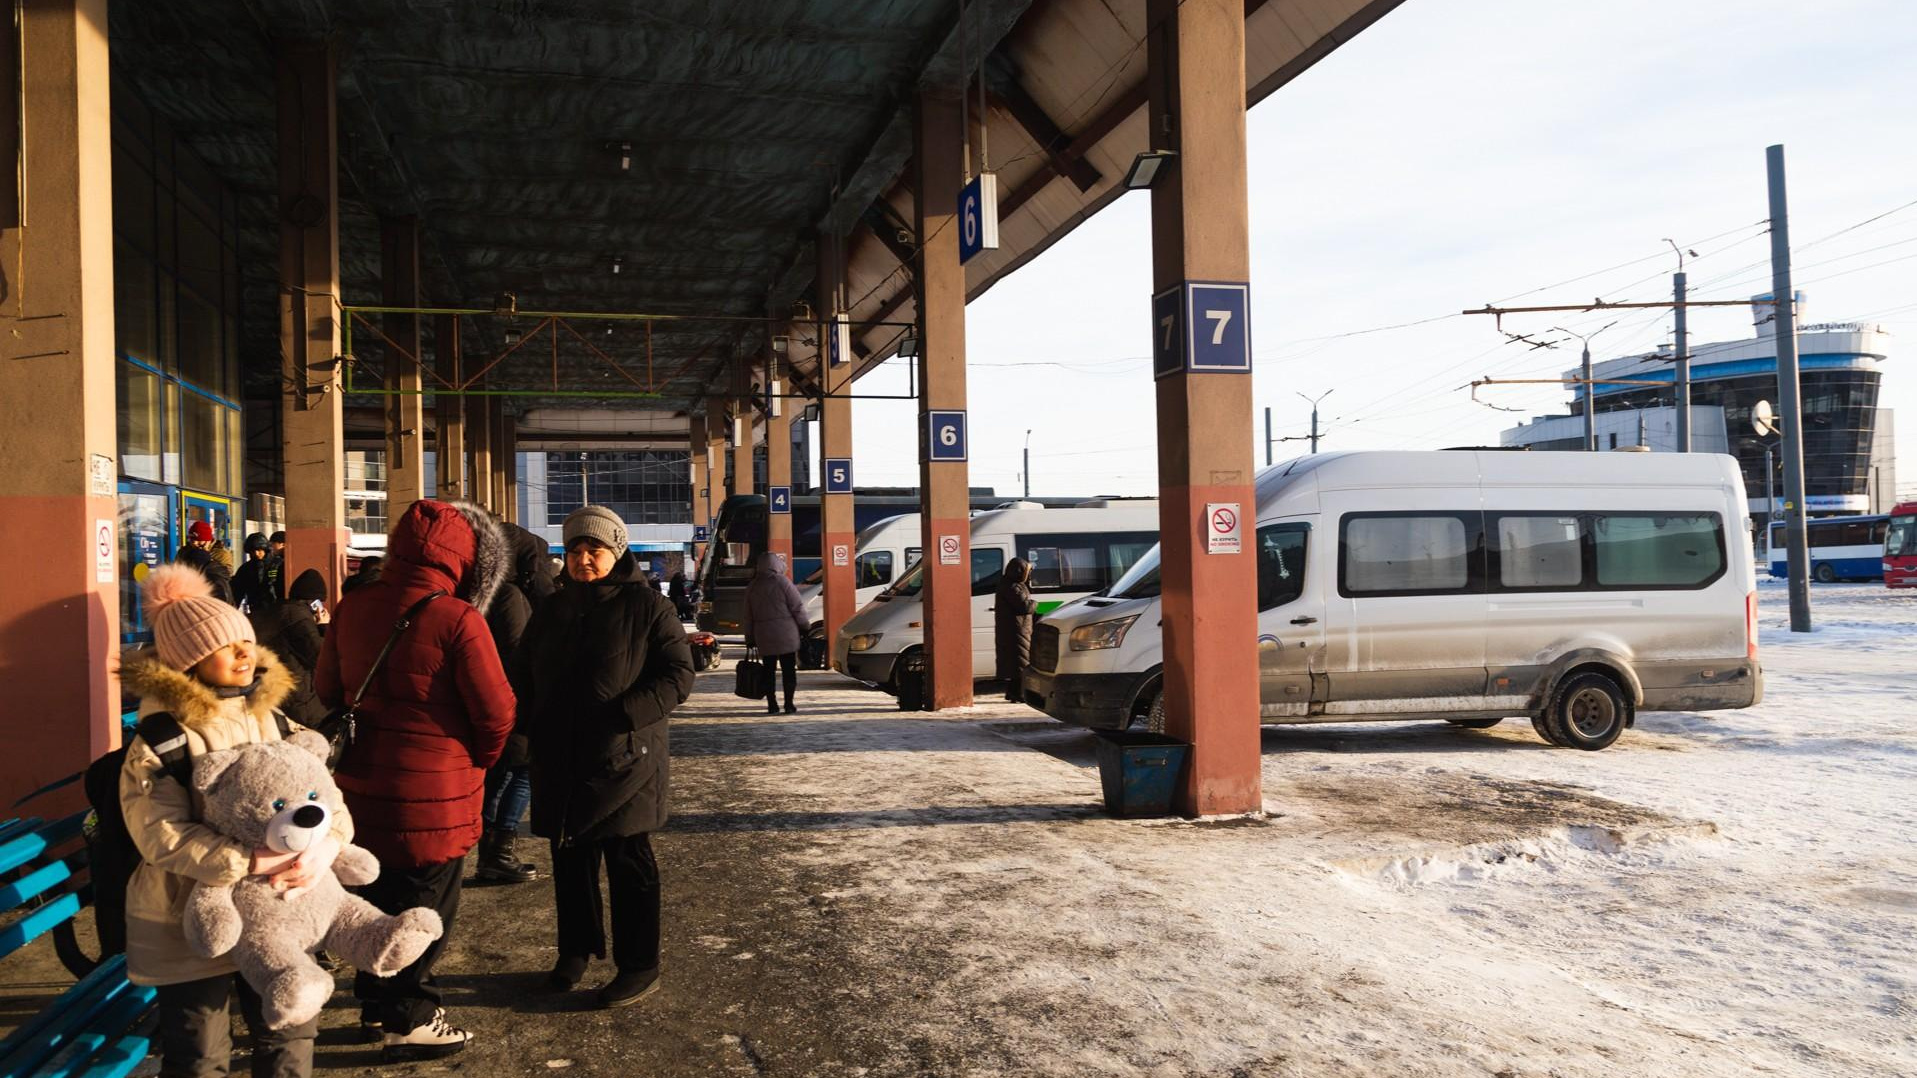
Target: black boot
x,y
497,863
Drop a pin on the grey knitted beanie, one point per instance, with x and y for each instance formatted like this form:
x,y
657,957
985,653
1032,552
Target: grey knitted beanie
x,y
595,522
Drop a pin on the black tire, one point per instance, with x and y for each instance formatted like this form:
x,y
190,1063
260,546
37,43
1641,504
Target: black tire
x,y
1155,715
1825,574
1544,731
1587,712
1474,724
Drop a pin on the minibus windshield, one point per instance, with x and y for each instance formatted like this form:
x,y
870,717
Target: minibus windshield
x,y
1140,581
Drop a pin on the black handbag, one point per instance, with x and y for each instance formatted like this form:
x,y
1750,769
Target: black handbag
x,y
341,725
751,679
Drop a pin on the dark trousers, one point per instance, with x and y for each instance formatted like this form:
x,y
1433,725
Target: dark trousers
x,y
408,999
632,877
788,665
196,1035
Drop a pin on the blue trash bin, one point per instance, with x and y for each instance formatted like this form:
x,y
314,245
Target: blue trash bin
x,y
1139,771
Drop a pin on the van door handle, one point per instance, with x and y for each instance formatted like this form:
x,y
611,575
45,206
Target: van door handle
x,y
1304,619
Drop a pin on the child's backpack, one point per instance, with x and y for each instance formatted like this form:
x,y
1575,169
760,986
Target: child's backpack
x,y
111,855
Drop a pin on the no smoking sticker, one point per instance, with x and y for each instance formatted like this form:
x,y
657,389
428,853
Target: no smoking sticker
x,y
1223,528
948,550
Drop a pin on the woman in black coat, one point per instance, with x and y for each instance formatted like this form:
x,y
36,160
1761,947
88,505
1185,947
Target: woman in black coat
x,y
604,661
292,631
1012,613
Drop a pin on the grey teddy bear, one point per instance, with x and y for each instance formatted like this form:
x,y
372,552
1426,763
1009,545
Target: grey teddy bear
x,y
278,795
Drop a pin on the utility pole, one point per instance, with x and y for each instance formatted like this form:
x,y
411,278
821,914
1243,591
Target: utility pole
x,y
1682,356
1268,436
1314,420
1590,416
1790,403
1028,464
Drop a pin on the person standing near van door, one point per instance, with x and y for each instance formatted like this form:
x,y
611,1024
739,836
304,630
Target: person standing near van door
x,y
1012,612
775,623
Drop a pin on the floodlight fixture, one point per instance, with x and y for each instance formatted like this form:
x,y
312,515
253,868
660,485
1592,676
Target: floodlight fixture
x,y
1146,168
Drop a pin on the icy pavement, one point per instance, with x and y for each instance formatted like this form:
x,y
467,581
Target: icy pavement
x,y
856,891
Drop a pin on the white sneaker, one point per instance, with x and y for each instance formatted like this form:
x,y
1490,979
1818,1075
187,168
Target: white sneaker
x,y
430,1041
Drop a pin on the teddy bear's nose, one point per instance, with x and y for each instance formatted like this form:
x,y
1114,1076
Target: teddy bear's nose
x,y
309,816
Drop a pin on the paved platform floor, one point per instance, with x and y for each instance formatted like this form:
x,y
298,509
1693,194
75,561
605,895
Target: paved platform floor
x,y
857,891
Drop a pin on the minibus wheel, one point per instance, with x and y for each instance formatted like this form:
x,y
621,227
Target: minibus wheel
x,y
1155,718
1825,574
1544,730
1474,724
1587,712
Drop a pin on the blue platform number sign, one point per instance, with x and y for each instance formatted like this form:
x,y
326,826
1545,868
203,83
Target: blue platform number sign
x,y
1202,327
838,475
699,533
945,435
780,499
839,340
1168,337
978,216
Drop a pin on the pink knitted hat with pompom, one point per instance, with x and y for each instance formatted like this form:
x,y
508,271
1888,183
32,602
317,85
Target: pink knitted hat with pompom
x,y
188,622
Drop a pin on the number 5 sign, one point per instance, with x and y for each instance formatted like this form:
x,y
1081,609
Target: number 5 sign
x,y
945,435
838,475
1202,327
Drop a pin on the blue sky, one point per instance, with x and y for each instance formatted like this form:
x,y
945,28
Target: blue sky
x,y
1461,153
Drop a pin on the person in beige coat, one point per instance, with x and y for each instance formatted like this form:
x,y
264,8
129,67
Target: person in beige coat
x,y
222,688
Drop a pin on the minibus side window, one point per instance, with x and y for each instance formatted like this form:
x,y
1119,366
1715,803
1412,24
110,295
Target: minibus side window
x,y
874,568
1410,554
988,563
1281,563
1540,552
912,555
1658,550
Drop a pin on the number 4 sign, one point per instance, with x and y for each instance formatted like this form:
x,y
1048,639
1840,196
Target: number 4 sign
x,y
1202,327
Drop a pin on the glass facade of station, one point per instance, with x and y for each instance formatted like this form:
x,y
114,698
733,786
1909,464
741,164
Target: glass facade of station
x,y
642,486
1840,403
176,317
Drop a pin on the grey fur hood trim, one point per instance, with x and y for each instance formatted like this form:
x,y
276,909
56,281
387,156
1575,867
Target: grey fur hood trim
x,y
492,556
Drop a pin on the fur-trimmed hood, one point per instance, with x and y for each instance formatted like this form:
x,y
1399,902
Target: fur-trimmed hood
x,y
453,545
191,700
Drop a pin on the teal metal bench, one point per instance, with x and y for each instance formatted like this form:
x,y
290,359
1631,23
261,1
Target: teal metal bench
x,y
98,1028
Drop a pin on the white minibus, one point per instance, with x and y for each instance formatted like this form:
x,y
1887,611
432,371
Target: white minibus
x,y
1073,552
883,553
1467,586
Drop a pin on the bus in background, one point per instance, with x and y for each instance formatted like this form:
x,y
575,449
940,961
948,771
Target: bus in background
x,y
1900,547
738,538
1841,548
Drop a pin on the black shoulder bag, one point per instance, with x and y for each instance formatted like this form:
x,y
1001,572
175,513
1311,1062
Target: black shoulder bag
x,y
341,725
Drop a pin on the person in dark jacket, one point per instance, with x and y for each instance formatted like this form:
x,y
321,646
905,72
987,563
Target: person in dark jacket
x,y
434,719
292,630
680,595
604,662
1012,612
367,572
202,551
246,579
775,622
509,783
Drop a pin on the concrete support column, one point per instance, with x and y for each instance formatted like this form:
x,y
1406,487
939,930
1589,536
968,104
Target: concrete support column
x,y
506,459
944,497
701,508
1196,73
778,473
479,449
450,411
59,617
716,427
837,533
310,415
406,407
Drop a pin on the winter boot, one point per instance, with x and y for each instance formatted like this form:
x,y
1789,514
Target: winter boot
x,y
497,863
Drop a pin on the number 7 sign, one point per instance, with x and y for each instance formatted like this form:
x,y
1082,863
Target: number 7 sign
x,y
1202,327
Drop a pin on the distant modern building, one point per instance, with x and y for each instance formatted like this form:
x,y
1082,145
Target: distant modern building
x,y
1849,447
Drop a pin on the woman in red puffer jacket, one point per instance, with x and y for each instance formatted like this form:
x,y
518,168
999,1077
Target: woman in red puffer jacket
x,y
432,721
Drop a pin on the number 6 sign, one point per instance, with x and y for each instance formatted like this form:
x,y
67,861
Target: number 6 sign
x,y
1202,327
945,435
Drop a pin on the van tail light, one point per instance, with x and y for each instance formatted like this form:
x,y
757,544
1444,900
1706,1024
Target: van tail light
x,y
1750,626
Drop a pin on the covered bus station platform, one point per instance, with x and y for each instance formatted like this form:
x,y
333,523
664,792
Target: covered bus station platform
x,y
247,239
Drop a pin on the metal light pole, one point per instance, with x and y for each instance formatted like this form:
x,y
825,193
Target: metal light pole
x,y
1682,358
1789,400
1267,437
1314,419
1028,464
1590,417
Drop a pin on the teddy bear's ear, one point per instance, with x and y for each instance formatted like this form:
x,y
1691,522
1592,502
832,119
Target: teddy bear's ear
x,y
312,742
207,769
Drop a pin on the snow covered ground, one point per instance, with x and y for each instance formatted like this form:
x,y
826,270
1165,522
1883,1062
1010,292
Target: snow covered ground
x,y
1718,894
